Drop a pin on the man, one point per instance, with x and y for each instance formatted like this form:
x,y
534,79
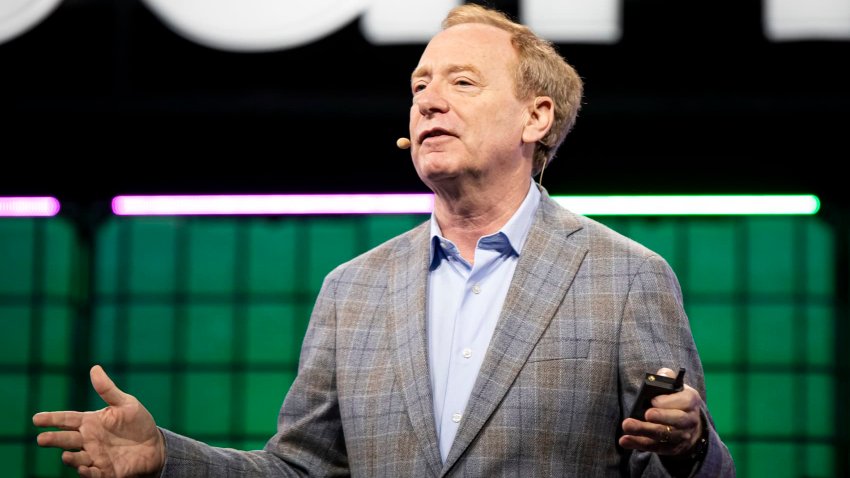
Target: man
x,y
507,336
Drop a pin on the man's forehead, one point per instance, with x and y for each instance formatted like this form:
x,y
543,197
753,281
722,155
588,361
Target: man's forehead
x,y
462,46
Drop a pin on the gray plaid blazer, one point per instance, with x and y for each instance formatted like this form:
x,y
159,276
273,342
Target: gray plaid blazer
x,y
588,313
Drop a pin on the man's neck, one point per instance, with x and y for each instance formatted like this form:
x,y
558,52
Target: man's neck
x,y
465,217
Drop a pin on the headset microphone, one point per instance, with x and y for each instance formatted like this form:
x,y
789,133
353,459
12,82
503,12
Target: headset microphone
x,y
403,143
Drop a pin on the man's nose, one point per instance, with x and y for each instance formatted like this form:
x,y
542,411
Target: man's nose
x,y
431,100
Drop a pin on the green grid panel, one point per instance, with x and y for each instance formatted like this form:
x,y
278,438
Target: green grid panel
x,y
264,396
212,257
14,458
331,242
711,260
820,335
207,405
714,327
145,335
208,334
152,253
784,460
819,253
273,257
771,334
17,249
41,286
274,334
771,257
15,339
770,405
202,319
13,401
721,398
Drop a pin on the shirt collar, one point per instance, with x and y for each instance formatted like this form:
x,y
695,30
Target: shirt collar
x,y
515,230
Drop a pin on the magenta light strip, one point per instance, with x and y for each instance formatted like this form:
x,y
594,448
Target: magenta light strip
x,y
273,204
28,206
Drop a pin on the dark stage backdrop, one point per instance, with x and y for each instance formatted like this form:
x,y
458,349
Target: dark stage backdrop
x,y
103,98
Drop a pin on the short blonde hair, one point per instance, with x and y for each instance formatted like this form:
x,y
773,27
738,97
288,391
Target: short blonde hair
x,y
541,72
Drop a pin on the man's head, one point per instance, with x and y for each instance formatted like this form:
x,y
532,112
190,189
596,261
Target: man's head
x,y
467,125
540,71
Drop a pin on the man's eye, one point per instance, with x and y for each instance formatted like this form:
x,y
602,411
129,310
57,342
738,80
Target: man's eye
x,y
418,87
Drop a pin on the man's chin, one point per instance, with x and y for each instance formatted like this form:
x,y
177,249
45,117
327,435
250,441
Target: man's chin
x,y
434,164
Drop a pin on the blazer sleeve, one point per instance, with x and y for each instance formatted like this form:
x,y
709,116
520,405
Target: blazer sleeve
x,y
655,333
309,440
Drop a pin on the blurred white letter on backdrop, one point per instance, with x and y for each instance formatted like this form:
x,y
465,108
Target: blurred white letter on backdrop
x,y
807,19
18,16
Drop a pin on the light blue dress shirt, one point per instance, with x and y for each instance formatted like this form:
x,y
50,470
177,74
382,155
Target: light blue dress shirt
x,y
464,304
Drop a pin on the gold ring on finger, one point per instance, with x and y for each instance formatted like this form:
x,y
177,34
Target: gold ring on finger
x,y
665,435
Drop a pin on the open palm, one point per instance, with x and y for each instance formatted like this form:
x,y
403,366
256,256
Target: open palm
x,y
119,440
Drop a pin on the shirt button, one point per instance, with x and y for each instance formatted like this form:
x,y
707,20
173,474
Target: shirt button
x,y
467,353
476,289
456,417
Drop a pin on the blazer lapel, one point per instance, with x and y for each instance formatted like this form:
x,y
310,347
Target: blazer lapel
x,y
407,293
547,265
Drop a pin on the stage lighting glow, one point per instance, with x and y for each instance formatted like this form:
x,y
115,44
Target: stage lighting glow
x,y
723,205
286,204
28,206
274,204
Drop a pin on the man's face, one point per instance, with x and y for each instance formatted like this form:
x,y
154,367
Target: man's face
x,y
466,120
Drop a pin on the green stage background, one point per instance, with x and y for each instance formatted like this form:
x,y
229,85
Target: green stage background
x,y
202,318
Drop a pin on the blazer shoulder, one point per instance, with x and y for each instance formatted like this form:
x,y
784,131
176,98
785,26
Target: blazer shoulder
x,y
605,244
601,234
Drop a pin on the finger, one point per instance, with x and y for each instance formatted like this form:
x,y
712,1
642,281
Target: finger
x,y
71,440
671,416
674,445
63,420
678,408
76,459
632,442
632,426
89,472
105,387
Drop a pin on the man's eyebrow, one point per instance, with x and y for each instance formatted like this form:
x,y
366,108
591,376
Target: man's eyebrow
x,y
426,71
419,72
464,68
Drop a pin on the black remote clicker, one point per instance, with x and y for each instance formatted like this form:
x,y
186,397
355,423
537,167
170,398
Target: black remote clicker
x,y
654,385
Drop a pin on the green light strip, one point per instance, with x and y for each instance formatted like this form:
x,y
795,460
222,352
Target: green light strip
x,y
719,205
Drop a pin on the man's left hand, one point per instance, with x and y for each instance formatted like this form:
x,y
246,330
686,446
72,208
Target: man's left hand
x,y
673,425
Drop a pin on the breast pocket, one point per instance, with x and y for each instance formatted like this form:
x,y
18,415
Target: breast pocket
x,y
559,349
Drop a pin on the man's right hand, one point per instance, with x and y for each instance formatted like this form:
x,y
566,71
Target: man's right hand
x,y
119,440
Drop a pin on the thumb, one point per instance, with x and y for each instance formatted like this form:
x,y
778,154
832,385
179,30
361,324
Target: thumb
x,y
105,387
666,372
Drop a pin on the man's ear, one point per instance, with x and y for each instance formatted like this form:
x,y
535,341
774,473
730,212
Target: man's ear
x,y
540,119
